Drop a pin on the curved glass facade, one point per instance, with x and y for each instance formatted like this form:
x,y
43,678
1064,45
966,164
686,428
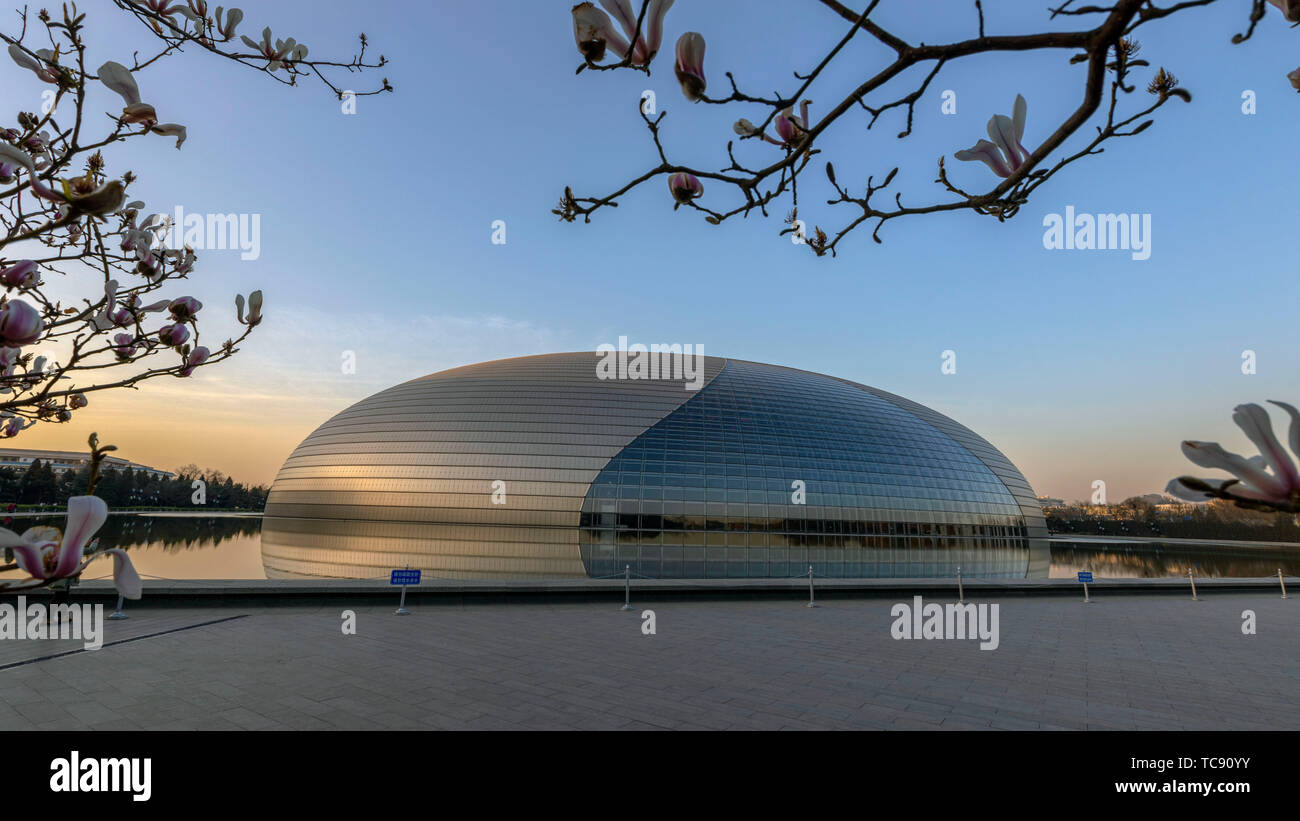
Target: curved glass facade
x,y
535,467
770,470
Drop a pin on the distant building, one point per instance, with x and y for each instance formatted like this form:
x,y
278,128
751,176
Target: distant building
x,y
1159,499
1050,501
61,461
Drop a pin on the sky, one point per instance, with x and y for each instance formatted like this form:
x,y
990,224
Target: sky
x,y
377,228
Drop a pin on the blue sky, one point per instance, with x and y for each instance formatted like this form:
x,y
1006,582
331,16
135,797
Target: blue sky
x,y
376,228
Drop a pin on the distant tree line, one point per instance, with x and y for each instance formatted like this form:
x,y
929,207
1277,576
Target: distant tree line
x,y
40,485
1136,516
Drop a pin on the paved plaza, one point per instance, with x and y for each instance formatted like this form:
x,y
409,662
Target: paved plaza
x,y
1127,662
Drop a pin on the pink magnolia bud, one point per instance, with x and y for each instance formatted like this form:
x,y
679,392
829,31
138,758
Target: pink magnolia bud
x,y
184,308
124,346
173,335
685,187
20,323
792,127
690,65
195,358
23,275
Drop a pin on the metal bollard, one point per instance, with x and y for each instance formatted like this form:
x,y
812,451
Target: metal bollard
x,y
1192,578
961,592
1281,581
118,614
627,587
812,602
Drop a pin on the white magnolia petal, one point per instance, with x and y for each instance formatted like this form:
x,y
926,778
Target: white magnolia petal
x,y
118,78
1212,455
1254,422
23,59
1294,435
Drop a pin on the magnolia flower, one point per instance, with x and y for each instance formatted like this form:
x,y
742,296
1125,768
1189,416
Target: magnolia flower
x,y
254,308
173,336
1294,77
44,68
594,31
791,128
114,317
118,78
25,274
95,202
647,45
78,400
1270,478
12,425
227,28
685,187
1005,154
47,554
183,260
20,323
284,52
1290,9
690,65
149,264
154,229
124,346
193,359
184,308
162,7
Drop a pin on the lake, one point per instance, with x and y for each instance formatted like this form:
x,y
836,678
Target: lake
x,y
228,546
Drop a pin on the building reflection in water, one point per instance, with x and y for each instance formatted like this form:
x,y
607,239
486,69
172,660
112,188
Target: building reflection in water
x,y
1154,560
228,547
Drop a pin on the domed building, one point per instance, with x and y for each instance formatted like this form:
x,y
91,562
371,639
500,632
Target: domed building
x,y
569,466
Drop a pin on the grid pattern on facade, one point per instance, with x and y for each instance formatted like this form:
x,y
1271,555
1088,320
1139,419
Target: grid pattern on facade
x,y
713,490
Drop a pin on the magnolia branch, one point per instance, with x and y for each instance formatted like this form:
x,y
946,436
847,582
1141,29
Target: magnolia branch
x,y
1106,48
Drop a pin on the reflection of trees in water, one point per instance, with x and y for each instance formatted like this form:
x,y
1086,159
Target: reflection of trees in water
x,y
170,533
1162,560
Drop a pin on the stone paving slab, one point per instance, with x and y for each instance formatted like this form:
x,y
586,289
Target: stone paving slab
x,y
1126,662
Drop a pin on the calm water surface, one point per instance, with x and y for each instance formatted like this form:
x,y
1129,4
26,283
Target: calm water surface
x,y
176,546
228,546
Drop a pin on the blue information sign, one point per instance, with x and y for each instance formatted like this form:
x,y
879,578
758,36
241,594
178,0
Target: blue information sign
x,y
405,577
1084,575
